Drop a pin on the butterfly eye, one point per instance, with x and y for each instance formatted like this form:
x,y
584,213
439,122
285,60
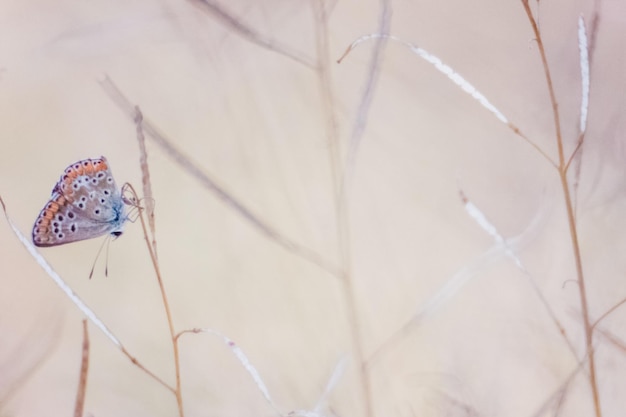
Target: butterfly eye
x,y
106,192
96,211
117,233
70,214
73,228
81,206
110,180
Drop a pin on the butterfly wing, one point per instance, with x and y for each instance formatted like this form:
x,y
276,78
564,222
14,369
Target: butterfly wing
x,y
85,203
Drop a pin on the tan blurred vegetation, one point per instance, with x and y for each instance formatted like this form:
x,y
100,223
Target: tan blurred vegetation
x,y
274,130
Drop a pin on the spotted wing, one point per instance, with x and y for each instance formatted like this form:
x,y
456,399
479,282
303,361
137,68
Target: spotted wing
x,y
85,203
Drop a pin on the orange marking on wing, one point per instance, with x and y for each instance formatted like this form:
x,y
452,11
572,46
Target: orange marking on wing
x,y
71,176
44,222
101,164
41,229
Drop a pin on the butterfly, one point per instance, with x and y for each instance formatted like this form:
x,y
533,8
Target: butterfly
x,y
85,203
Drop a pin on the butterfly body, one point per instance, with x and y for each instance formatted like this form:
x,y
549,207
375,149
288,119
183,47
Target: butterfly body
x,y
85,203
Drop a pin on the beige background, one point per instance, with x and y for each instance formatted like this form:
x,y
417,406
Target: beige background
x,y
255,121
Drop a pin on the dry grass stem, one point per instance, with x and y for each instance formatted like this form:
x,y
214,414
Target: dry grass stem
x,y
608,312
502,247
584,74
148,198
243,360
81,392
166,305
365,103
508,250
78,302
571,217
617,343
555,400
456,78
258,381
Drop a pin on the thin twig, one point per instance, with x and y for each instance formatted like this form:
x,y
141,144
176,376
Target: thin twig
x,y
509,251
243,360
557,396
457,79
579,144
367,95
570,214
609,311
148,198
614,340
166,305
78,302
84,371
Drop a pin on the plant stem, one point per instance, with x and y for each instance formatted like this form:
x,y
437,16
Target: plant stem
x,y
571,218
170,321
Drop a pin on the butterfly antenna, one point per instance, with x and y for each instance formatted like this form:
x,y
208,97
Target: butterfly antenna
x,y
93,266
106,259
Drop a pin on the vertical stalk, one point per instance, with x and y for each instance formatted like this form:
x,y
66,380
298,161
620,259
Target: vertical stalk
x,y
170,322
571,219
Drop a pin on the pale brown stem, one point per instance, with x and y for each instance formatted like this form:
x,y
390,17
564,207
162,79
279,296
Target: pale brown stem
x,y
168,313
571,219
84,370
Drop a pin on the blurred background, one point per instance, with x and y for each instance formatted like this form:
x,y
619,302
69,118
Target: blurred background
x,y
238,89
